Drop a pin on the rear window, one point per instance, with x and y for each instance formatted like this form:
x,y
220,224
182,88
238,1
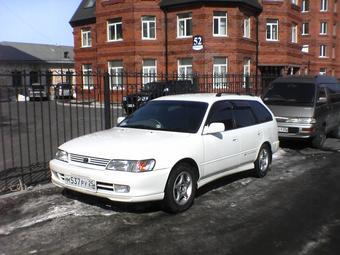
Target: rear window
x,y
290,94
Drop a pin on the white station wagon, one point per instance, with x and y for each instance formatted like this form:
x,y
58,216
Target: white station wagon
x,y
169,148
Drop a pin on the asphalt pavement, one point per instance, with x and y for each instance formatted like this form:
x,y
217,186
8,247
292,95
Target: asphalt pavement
x,y
295,209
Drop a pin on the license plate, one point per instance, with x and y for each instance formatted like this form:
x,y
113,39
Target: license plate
x,y
130,105
80,182
283,129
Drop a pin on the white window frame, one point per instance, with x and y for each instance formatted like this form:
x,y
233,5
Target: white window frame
x,y
87,76
305,28
184,70
221,17
116,74
294,33
324,5
323,51
149,71
247,27
305,6
86,38
305,48
220,72
295,2
184,20
246,70
149,23
114,23
273,26
323,28
323,71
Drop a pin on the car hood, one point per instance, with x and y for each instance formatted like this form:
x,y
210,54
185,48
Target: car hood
x,y
291,111
126,143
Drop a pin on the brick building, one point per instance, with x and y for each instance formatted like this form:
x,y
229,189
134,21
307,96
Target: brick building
x,y
182,37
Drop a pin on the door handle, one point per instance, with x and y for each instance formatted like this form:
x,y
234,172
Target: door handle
x,y
235,139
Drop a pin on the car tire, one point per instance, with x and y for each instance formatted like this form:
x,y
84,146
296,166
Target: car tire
x,y
336,133
263,161
319,139
180,189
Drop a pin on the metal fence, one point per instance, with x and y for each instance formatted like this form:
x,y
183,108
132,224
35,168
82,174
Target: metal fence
x,y
39,113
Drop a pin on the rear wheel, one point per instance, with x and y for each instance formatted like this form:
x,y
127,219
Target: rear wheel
x,y
336,133
180,189
262,163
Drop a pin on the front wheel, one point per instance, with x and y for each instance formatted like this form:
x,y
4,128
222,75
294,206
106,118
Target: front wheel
x,y
262,163
319,140
180,189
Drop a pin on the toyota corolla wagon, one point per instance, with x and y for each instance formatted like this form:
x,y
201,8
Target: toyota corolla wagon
x,y
169,148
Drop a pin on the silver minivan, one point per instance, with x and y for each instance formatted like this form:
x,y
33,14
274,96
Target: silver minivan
x,y
305,107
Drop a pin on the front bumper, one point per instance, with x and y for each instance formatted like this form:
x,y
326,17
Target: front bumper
x,y
298,131
148,186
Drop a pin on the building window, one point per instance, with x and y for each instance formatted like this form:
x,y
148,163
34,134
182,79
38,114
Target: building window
x,y
16,79
305,48
246,72
246,27
334,29
220,23
323,28
324,5
323,71
323,51
87,76
115,30
272,30
335,9
149,71
295,2
294,33
86,38
305,6
305,28
184,25
115,69
220,72
34,77
148,28
185,69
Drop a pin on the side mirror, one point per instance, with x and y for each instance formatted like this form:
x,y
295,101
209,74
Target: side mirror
x,y
120,119
213,128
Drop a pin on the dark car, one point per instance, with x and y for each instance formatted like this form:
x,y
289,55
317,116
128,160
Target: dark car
x,y
63,90
38,92
153,90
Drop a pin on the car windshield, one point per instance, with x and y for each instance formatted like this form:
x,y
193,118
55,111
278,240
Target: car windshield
x,y
290,94
175,116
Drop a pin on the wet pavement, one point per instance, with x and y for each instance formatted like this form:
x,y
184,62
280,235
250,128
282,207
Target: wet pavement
x,y
295,209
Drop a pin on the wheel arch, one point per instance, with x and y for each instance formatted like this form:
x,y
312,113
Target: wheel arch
x,y
191,162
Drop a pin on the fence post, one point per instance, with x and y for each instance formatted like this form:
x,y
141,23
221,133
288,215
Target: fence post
x,y
107,112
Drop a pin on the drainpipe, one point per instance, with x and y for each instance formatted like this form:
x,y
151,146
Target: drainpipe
x,y
257,54
166,45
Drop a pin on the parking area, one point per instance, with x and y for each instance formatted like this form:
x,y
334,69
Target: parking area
x,y
293,210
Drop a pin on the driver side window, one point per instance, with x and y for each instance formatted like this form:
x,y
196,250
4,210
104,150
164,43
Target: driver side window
x,y
222,112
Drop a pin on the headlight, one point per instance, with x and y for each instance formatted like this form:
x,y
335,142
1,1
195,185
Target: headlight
x,y
135,166
301,120
62,155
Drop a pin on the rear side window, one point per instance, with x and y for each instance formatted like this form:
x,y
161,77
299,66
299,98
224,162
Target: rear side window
x,y
222,112
261,113
244,115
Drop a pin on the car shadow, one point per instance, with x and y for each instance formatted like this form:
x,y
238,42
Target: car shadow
x,y
229,179
107,204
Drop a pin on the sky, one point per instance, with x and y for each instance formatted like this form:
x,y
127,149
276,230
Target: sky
x,y
37,21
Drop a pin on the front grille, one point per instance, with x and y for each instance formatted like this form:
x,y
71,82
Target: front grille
x,y
89,160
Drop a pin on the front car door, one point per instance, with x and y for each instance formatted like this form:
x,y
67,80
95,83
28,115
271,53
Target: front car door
x,y
221,150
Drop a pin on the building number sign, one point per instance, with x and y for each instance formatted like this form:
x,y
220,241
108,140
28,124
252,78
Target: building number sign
x,y
197,42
